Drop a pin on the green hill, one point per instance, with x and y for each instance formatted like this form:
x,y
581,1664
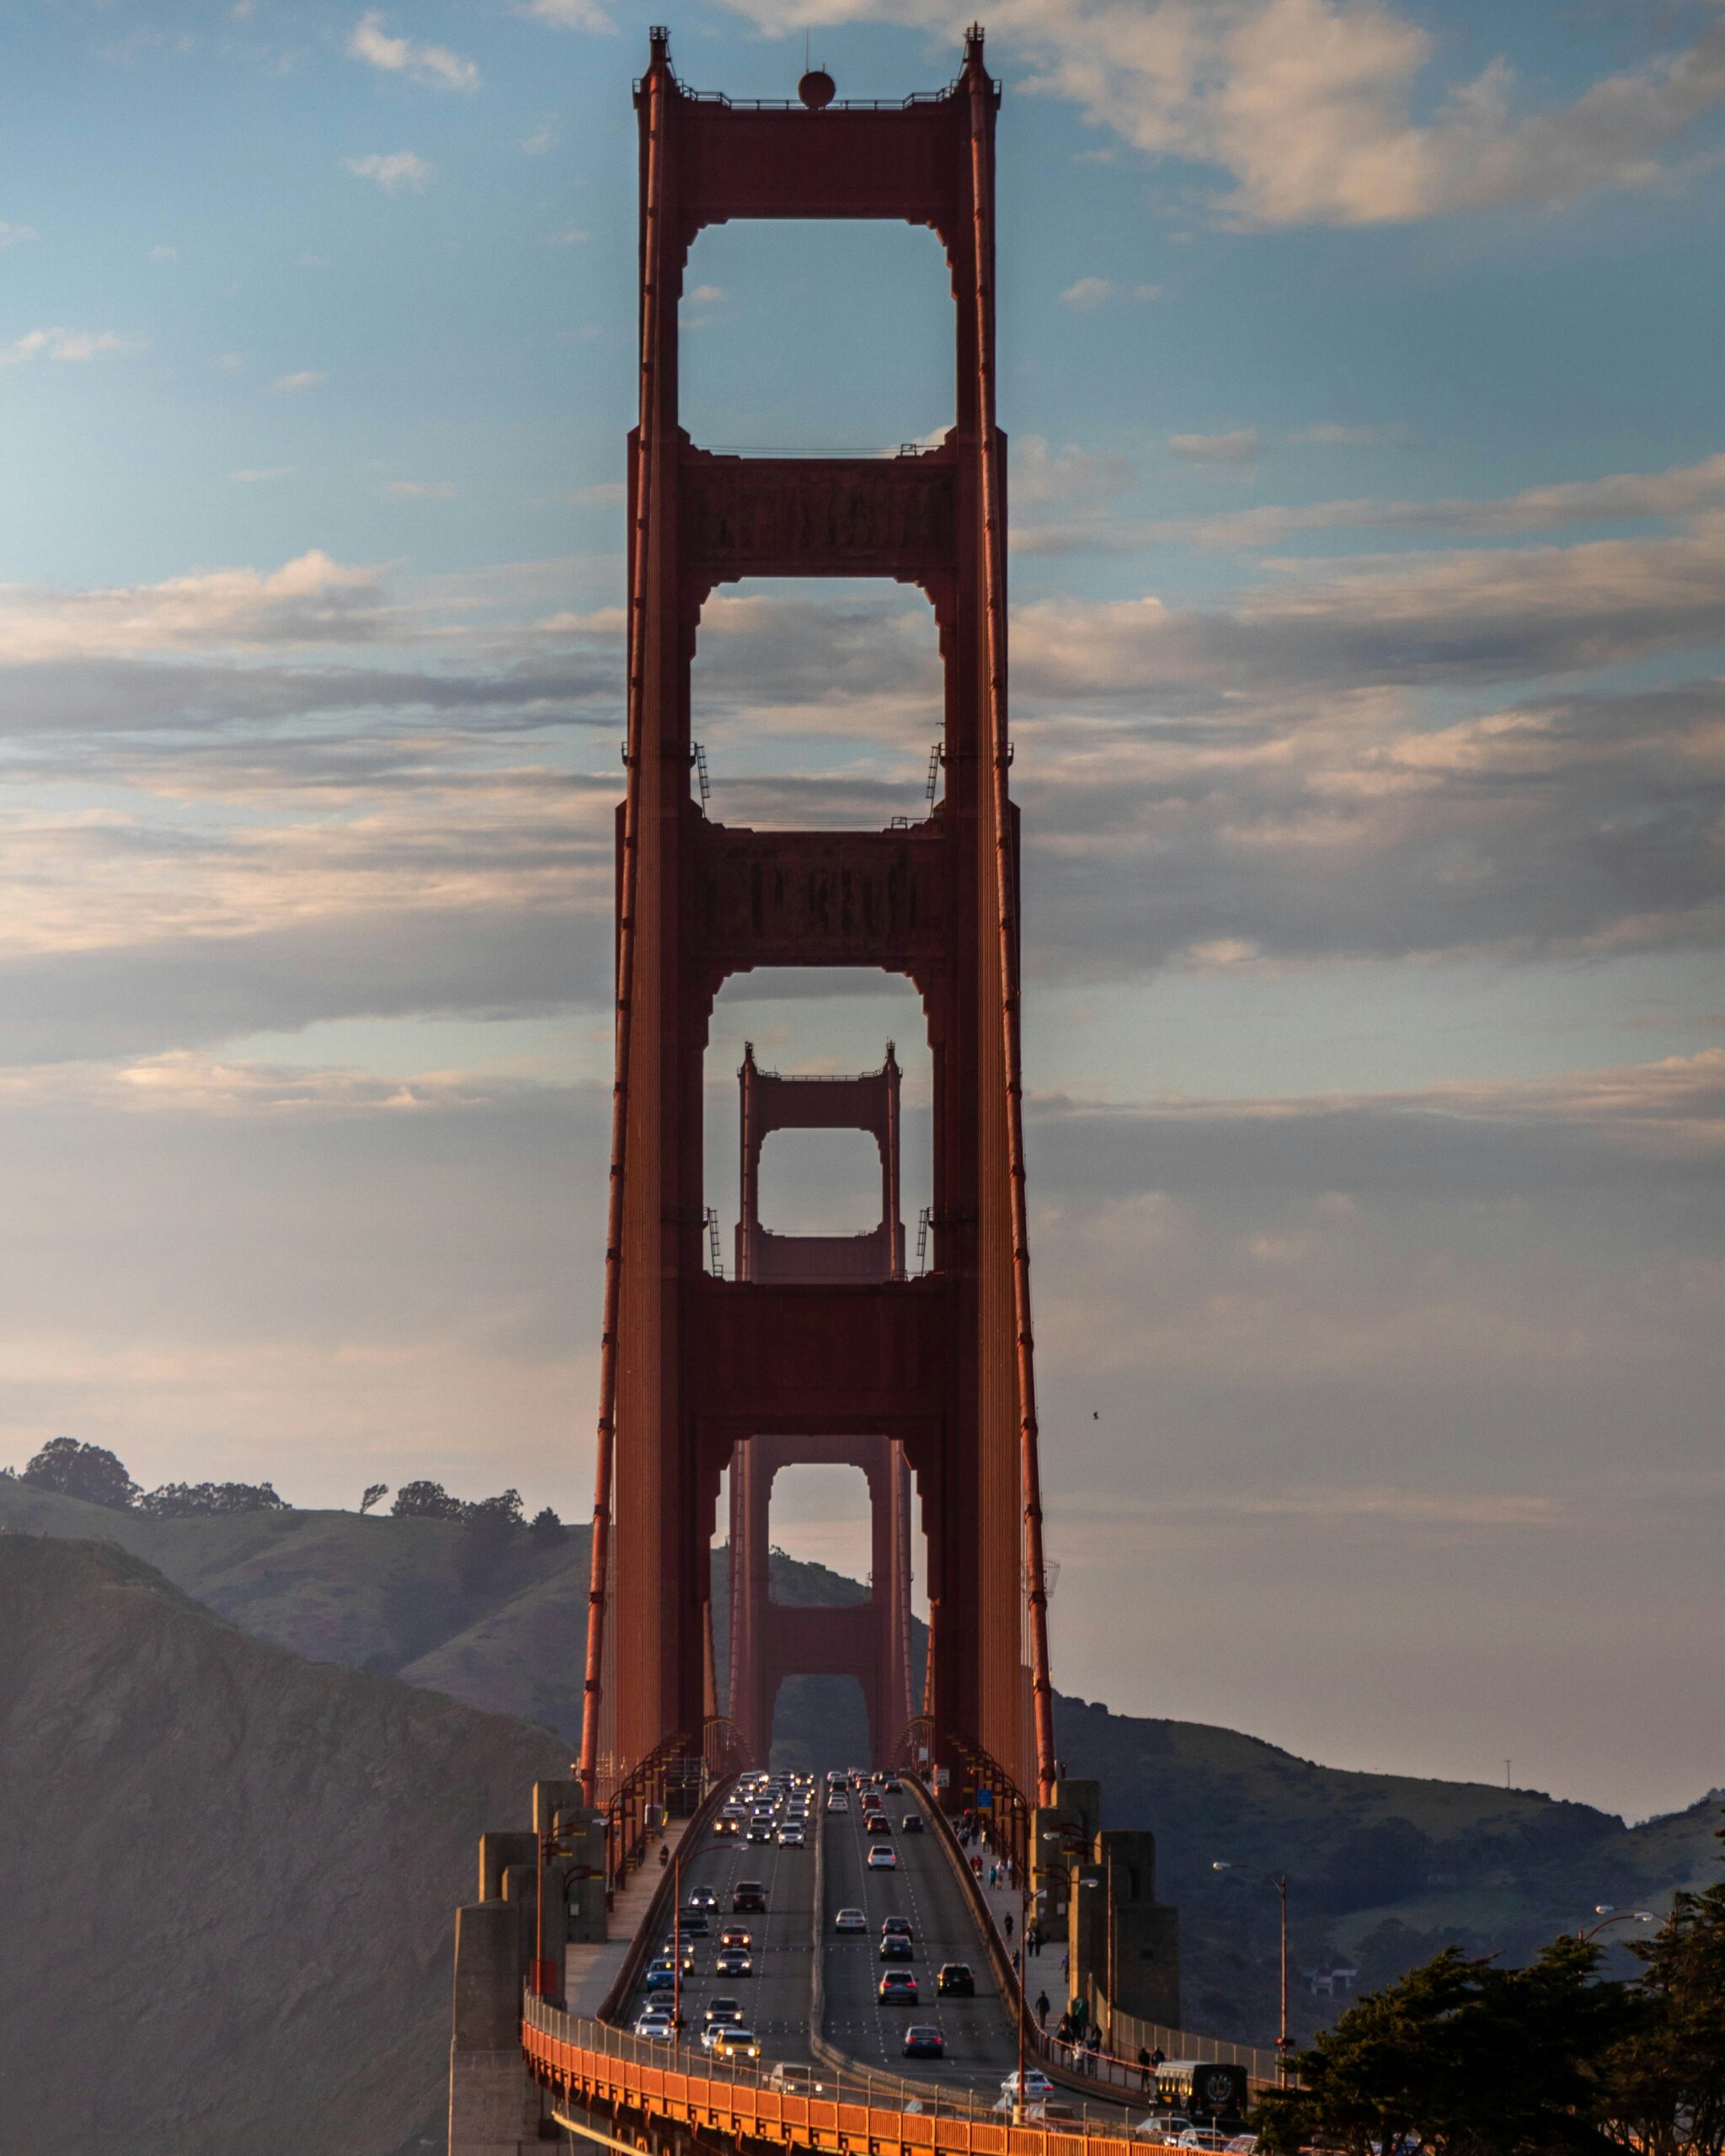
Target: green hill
x,y
1385,1868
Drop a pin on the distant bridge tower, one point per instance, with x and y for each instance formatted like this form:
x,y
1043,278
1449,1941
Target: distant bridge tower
x,y
692,1367
871,1640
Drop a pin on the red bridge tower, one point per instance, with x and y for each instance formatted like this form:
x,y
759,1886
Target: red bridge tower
x,y
938,1369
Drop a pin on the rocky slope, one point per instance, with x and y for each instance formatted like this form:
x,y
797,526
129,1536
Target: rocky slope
x,y
228,1875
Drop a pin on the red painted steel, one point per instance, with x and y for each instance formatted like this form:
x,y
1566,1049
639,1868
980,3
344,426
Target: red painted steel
x,y
1006,873
868,1641
598,1583
940,1366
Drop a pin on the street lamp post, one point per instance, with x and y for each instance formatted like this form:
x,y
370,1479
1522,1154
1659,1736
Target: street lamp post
x,y
1611,1916
1279,1879
1107,1882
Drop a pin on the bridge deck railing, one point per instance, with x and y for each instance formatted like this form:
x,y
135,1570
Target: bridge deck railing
x,y
593,2063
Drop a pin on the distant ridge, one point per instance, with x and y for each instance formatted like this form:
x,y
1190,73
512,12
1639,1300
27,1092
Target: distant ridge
x,y
1385,1868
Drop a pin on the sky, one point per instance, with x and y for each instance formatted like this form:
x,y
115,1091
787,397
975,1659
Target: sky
x,y
1360,362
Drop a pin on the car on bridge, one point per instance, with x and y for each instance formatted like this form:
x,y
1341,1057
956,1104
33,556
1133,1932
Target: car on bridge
x,y
761,1832
710,2034
900,1924
893,1785
661,1976
694,1924
732,2041
850,1920
702,1898
881,1858
898,1988
722,1827
895,1947
734,1963
877,1824
791,1837
720,2008
657,2029
922,2039
955,1980
1037,2084
838,1804
791,2077
749,1898
911,1823
737,1935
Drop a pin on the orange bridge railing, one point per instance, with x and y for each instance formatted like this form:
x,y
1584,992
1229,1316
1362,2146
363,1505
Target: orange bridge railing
x,y
596,2068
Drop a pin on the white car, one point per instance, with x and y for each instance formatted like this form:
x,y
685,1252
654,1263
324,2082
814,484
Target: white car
x,y
1036,2084
850,1920
657,2029
883,1858
790,1838
838,1804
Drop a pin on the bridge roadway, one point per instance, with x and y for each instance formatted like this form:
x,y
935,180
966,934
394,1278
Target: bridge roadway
x,y
981,2034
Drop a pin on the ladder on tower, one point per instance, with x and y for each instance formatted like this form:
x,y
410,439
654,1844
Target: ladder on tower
x,y
936,756
701,778
715,1249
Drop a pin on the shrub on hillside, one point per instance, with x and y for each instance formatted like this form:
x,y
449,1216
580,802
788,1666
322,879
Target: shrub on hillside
x,y
72,1469
425,1501
200,1500
547,1530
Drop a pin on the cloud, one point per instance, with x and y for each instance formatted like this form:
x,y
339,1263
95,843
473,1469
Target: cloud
x,y
256,475
1623,497
433,490
15,235
1041,475
569,15
1331,434
1309,106
1241,446
393,171
228,363
75,346
705,294
433,65
543,137
290,385
571,238
1087,292
309,599
164,255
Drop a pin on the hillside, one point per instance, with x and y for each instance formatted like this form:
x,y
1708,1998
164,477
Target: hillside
x,y
229,1875
1385,1869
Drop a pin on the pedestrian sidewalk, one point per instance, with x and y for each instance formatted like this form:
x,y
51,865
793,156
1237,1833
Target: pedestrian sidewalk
x,y
590,1968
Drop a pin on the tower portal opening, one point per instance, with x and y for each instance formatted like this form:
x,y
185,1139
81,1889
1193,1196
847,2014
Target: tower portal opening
x,y
820,1518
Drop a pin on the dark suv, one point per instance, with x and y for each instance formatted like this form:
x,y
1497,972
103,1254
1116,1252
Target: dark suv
x,y
748,1896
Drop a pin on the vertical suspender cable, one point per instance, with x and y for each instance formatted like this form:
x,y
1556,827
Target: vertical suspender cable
x,y
646,449
995,657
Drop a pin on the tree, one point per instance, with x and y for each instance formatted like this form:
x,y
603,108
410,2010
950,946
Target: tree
x,y
1667,2081
375,1494
426,1501
203,1500
1463,2058
75,1470
500,1512
547,1530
